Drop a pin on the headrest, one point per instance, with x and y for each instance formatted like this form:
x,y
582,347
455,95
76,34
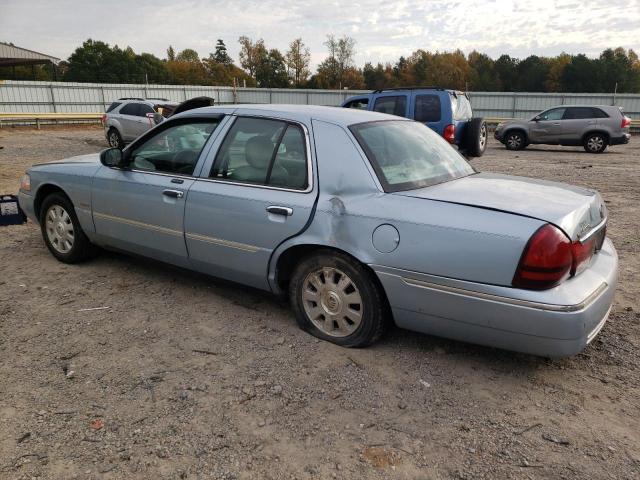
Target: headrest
x,y
258,151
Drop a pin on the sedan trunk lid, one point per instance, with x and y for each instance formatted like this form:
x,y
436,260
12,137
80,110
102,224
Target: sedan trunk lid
x,y
577,211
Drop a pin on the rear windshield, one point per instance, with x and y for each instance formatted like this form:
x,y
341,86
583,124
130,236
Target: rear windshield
x,y
113,106
461,106
408,155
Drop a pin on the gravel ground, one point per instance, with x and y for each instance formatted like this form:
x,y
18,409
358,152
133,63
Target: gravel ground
x,y
184,376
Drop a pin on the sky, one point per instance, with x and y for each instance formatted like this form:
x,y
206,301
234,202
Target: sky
x,y
383,30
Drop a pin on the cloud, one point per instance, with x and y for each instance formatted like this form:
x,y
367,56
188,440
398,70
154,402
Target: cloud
x,y
384,30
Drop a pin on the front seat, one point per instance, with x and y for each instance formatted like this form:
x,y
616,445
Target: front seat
x,y
257,152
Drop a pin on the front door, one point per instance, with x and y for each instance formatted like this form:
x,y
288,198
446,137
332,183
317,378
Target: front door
x,y
547,127
141,208
253,194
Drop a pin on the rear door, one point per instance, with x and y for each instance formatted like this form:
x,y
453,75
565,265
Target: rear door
x,y
256,190
548,126
427,109
128,115
393,103
575,122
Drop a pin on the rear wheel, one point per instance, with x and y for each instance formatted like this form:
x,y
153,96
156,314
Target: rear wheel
x,y
62,232
595,143
114,138
476,137
334,298
515,140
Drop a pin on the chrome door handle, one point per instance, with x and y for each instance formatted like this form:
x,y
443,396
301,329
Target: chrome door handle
x,y
173,193
286,211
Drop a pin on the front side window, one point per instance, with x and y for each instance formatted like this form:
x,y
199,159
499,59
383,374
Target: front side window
x,y
427,108
175,149
393,105
263,152
553,114
408,155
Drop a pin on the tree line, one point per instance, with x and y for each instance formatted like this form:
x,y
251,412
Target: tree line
x,y
260,66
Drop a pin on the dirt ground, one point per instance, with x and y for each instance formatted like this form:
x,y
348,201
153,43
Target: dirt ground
x,y
184,376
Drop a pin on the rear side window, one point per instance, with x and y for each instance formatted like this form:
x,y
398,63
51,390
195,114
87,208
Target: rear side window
x,y
113,106
461,107
360,104
427,108
263,152
579,113
130,109
597,113
393,105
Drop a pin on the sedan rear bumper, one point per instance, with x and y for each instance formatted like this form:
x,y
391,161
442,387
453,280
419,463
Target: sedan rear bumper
x,y
555,323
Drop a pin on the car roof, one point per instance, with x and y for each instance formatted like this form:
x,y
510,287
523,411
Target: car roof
x,y
302,113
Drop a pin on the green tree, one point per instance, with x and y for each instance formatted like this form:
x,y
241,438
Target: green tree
x,y
188,55
252,55
505,68
582,74
532,73
171,54
341,54
220,55
483,77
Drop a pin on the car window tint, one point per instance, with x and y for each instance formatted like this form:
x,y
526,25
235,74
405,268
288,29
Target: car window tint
x,y
554,114
578,113
290,165
597,113
130,109
144,109
113,106
427,108
263,152
461,107
174,149
360,104
408,155
395,105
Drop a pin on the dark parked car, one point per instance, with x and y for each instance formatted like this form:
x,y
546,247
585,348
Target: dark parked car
x,y
448,112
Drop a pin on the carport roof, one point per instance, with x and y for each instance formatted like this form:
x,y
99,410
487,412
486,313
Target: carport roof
x,y
10,55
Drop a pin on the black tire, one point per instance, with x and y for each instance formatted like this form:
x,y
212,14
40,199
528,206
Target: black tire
x,y
55,227
595,142
515,140
114,139
374,316
476,137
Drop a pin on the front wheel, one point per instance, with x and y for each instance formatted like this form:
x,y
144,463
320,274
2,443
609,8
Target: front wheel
x,y
595,143
62,232
514,141
336,299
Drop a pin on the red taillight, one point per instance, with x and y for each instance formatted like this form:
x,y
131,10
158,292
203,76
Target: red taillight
x,y
449,133
104,119
626,121
582,253
546,261
550,258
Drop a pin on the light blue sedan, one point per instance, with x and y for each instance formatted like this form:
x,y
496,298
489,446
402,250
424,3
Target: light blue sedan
x,y
363,219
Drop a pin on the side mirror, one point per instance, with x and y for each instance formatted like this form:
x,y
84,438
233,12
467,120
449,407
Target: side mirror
x,y
112,157
537,118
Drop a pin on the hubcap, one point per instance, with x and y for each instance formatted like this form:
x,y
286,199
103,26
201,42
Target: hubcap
x,y
332,302
59,229
483,136
595,143
113,139
514,141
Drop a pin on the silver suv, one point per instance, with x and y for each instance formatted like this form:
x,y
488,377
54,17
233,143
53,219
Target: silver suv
x,y
593,127
128,118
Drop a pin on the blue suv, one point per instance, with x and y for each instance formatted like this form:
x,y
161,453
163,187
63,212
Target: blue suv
x,y
448,112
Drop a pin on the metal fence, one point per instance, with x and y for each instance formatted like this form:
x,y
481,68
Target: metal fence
x,y
61,97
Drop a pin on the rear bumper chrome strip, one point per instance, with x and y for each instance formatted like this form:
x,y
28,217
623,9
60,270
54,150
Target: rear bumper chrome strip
x,y
598,327
511,301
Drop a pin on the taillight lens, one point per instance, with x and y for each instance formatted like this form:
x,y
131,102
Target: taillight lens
x,y
550,258
546,261
104,119
449,133
626,121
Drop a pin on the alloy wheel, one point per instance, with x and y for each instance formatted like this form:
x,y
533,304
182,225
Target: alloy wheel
x,y
514,141
59,229
595,143
114,141
332,302
483,136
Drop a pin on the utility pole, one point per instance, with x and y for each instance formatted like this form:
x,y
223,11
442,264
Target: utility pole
x,y
615,92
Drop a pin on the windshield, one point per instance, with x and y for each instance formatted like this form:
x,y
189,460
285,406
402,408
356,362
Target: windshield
x,y
408,155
